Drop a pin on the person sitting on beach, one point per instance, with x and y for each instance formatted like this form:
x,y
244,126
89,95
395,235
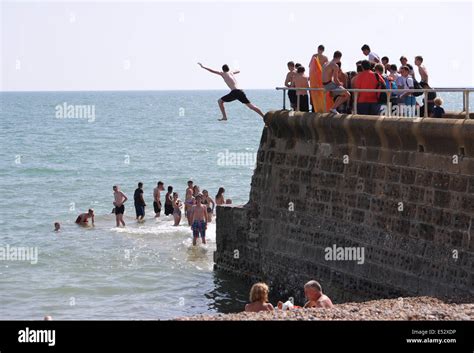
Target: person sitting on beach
x,y
331,82
139,202
176,209
373,57
259,299
199,220
235,92
220,200
57,227
119,199
188,201
421,69
301,81
169,201
316,299
83,218
438,110
156,198
289,82
207,200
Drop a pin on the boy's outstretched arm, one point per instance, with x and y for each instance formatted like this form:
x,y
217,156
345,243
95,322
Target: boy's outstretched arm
x,y
208,69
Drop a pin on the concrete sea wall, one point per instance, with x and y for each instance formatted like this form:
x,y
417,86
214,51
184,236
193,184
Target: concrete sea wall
x,y
399,189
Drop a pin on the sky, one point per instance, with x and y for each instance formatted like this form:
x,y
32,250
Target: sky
x,y
155,45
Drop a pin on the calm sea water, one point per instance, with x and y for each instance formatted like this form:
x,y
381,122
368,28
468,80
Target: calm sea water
x,y
52,169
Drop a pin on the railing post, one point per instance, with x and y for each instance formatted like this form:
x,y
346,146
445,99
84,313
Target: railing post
x,y
284,99
354,107
389,108
466,99
425,96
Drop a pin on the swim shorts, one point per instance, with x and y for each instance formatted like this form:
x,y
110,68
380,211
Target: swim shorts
x,y
157,207
236,94
168,209
292,96
140,210
120,210
199,228
335,89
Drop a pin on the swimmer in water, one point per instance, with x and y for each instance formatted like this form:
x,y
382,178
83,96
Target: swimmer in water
x,y
176,209
207,200
199,220
189,200
119,199
57,227
83,218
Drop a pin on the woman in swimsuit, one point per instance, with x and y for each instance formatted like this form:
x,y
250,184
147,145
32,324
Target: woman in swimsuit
x,y
176,209
206,200
220,200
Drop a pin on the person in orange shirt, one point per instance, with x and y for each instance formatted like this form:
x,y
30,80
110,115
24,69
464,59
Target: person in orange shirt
x,y
367,102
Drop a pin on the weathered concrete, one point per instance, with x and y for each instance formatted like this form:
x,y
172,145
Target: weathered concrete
x,y
400,196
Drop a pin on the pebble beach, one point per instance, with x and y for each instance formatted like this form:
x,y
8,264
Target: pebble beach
x,y
405,309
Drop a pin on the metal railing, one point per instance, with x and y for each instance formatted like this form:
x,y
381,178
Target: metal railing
x,y
389,92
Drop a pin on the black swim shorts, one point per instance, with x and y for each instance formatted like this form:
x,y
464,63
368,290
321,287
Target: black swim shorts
x,y
120,210
236,94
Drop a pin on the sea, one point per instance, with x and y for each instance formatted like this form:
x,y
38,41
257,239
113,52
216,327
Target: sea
x,y
61,153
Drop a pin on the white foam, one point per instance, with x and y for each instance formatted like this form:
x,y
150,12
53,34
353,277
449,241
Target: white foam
x,y
164,226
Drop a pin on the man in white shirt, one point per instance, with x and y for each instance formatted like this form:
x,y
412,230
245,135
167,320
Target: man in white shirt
x,y
373,57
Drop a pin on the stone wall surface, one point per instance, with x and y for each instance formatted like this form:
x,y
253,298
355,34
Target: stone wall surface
x,y
400,188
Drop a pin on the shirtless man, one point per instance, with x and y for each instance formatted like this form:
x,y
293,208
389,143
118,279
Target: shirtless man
x,y
119,199
421,69
316,299
235,92
188,200
301,81
156,198
323,59
83,218
331,82
289,82
199,220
